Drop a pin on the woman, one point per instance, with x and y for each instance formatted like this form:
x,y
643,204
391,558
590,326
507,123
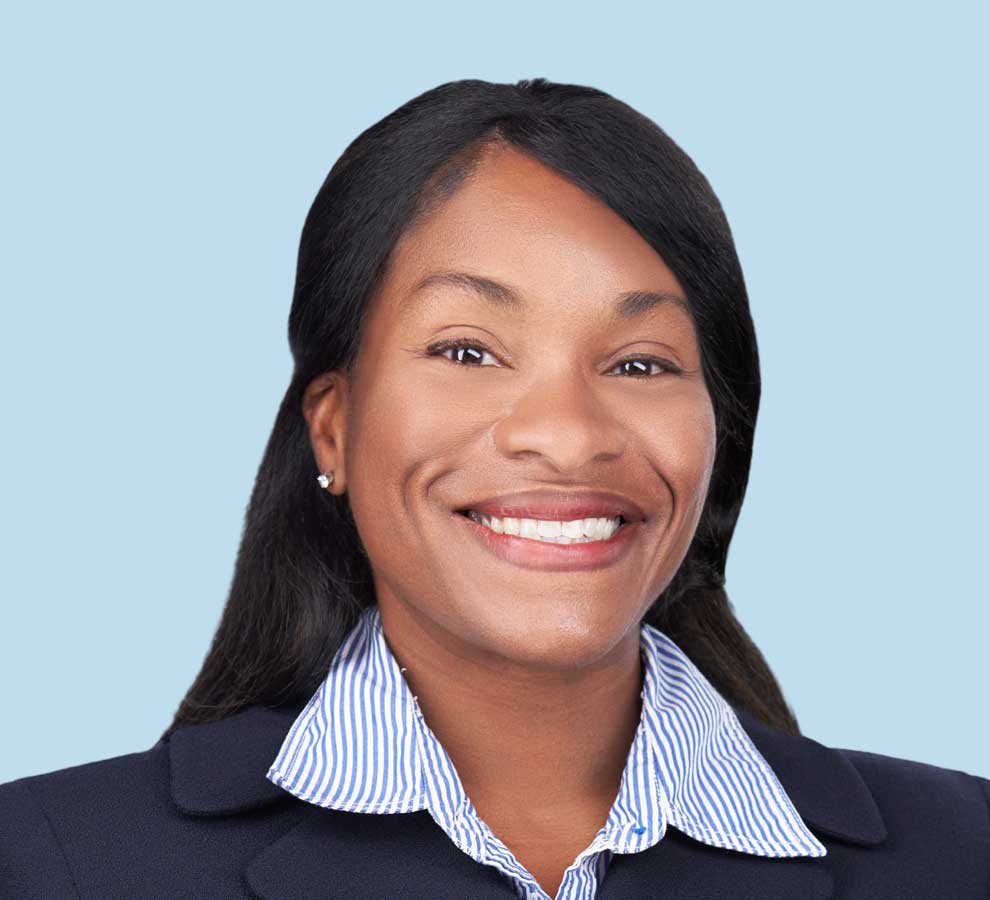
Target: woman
x,y
477,643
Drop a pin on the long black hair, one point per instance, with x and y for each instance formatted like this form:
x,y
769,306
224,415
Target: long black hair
x,y
302,576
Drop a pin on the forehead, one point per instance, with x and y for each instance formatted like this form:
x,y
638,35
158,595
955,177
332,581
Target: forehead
x,y
521,223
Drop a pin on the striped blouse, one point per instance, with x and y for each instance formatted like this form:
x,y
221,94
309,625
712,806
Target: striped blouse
x,y
361,744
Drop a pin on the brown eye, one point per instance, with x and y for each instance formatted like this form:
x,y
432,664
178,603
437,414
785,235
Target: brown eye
x,y
470,358
639,366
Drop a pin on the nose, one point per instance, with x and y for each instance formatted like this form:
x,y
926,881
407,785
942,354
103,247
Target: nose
x,y
561,419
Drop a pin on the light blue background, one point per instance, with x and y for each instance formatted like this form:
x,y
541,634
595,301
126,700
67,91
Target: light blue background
x,y
158,164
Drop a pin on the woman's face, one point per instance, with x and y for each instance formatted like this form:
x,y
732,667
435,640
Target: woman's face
x,y
554,391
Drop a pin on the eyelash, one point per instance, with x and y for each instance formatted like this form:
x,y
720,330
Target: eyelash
x,y
441,347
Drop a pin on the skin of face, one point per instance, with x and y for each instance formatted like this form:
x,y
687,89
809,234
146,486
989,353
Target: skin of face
x,y
491,646
423,434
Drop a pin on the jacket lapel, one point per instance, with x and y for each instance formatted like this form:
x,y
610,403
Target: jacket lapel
x,y
827,791
331,855
826,788
680,868
219,769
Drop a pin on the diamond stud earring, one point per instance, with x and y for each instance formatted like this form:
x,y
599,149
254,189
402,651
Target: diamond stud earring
x,y
325,480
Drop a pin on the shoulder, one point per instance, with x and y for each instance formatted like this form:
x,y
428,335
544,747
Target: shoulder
x,y
130,770
938,825
937,829
121,827
42,817
950,800
898,786
894,826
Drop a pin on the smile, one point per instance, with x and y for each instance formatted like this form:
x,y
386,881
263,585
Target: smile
x,y
550,531
552,545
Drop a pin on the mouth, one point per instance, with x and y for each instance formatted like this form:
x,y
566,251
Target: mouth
x,y
552,545
551,531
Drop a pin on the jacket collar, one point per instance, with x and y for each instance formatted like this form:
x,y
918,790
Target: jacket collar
x,y
218,768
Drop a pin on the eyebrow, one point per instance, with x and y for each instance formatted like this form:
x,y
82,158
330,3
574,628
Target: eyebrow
x,y
628,305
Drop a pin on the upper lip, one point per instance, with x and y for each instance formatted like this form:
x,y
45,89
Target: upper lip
x,y
559,505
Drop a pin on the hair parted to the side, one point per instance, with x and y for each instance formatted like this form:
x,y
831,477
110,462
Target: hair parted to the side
x,y
301,576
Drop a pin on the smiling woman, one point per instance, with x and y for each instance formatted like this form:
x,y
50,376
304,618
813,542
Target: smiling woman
x,y
477,642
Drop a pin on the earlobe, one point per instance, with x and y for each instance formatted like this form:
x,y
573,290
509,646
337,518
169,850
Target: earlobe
x,y
324,406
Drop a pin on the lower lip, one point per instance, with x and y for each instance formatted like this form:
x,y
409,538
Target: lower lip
x,y
549,557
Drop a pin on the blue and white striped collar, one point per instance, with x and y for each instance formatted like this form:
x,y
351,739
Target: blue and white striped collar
x,y
361,744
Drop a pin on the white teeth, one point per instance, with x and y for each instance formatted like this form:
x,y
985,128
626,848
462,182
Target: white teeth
x,y
575,531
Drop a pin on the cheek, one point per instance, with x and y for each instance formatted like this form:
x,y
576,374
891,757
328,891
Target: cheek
x,y
684,448
423,417
398,429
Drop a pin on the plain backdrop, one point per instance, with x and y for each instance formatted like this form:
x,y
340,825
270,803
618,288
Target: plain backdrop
x,y
159,160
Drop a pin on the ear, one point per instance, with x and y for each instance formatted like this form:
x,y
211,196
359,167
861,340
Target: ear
x,y
325,407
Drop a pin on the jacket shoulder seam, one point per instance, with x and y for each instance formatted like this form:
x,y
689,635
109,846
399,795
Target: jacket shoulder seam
x,y
55,838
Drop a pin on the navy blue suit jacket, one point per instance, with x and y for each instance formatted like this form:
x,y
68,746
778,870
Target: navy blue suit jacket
x,y
195,817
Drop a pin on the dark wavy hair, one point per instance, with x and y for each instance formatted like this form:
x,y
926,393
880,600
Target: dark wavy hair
x,y
302,576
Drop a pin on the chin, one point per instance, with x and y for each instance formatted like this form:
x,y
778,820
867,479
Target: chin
x,y
552,635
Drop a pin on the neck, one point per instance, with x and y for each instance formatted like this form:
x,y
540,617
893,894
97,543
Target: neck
x,y
548,741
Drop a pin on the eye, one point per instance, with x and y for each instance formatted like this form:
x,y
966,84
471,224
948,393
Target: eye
x,y
639,373
442,347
